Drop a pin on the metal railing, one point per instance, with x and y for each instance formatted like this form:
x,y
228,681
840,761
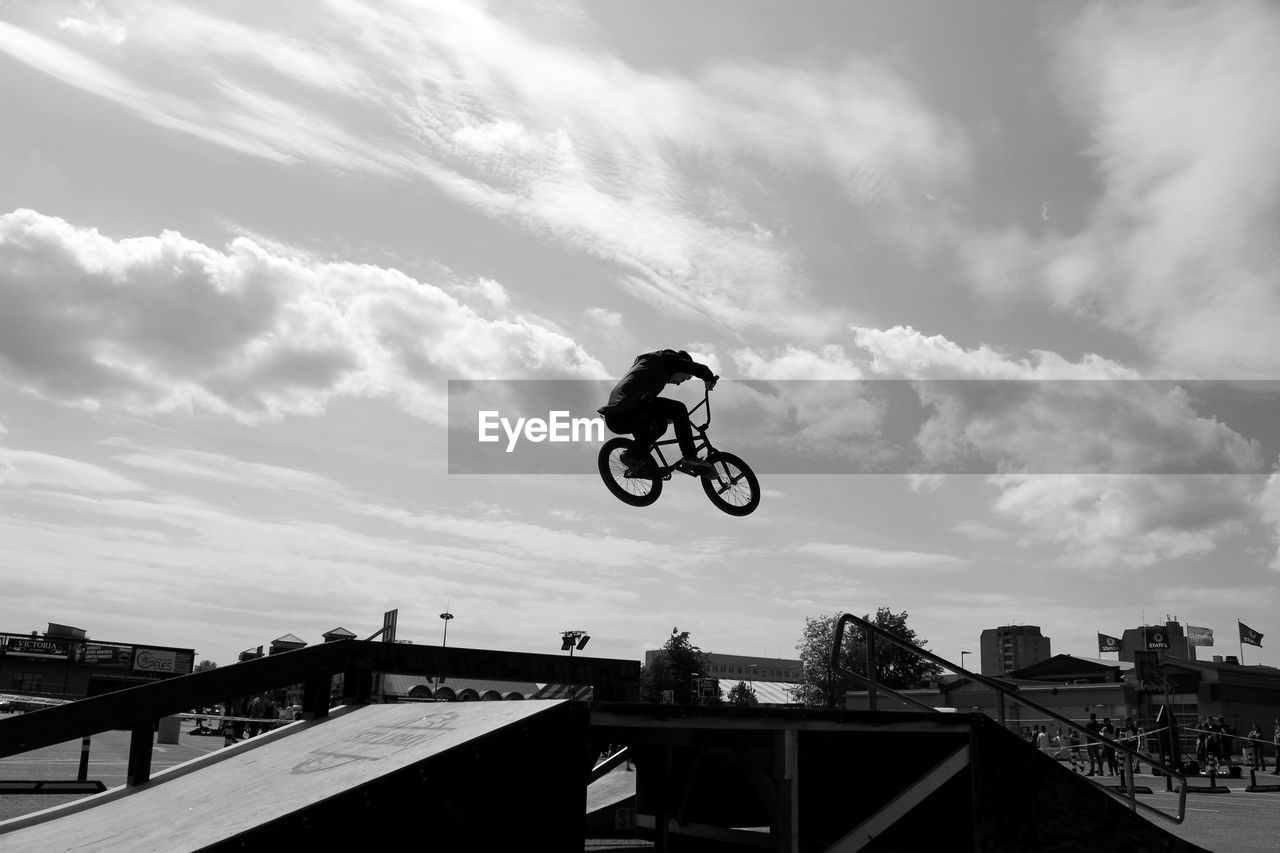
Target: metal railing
x,y
137,709
871,632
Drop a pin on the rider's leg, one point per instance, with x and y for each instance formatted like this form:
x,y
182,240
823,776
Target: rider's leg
x,y
676,412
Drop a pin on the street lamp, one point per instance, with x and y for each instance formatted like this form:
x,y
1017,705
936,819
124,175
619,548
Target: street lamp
x,y
570,640
963,680
446,616
444,643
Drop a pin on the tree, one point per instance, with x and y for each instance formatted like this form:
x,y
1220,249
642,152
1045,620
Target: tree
x,y
895,667
743,694
206,664
673,668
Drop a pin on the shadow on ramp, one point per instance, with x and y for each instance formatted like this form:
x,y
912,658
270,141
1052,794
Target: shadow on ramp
x,y
481,775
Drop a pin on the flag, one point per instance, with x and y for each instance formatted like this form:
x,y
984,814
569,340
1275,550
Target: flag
x,y
1248,635
1157,638
1199,636
1108,644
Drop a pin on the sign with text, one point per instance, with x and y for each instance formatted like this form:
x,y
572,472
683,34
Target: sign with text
x,y
102,654
37,647
1157,638
165,661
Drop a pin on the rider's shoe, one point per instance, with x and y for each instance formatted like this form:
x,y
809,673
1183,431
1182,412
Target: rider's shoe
x,y
700,467
632,459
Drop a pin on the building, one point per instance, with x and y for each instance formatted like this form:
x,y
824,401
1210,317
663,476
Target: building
x,y
745,667
1076,687
65,664
1168,639
770,678
1012,647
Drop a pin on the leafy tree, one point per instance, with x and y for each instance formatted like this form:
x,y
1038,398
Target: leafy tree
x,y
206,664
742,694
895,667
673,668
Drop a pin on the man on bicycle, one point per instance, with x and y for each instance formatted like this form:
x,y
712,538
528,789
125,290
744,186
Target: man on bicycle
x,y
635,407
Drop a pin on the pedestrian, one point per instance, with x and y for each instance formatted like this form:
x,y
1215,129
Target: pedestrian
x,y
1275,742
254,712
1077,764
1109,751
1092,746
1255,749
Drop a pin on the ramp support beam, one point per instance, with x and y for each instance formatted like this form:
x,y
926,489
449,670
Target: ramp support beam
x,y
139,768
916,793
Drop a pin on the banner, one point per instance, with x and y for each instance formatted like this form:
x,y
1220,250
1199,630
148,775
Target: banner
x,y
105,654
155,660
1107,643
1157,638
37,647
1199,636
1248,635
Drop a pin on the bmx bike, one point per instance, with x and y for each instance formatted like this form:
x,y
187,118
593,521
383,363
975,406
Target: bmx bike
x,y
733,489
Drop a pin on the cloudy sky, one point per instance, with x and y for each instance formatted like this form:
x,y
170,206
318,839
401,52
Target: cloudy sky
x,y
245,247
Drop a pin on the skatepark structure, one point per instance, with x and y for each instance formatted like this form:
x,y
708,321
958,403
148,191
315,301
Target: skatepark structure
x,y
502,775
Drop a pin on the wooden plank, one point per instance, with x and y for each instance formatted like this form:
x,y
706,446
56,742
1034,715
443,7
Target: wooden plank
x,y
220,795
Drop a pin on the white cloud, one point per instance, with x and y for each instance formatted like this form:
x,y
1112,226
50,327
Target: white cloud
x,y
162,323
1269,509
1114,470
1127,521
860,556
23,469
793,362
605,319
1181,251
571,143
90,21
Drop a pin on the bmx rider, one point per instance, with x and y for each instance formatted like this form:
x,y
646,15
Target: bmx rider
x,y
635,407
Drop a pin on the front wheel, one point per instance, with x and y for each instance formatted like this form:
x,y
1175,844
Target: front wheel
x,y
637,491
734,489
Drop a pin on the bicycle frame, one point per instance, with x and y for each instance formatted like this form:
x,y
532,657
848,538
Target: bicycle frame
x,y
701,441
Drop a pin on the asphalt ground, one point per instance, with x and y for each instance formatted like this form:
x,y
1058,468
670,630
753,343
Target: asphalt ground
x,y
1234,822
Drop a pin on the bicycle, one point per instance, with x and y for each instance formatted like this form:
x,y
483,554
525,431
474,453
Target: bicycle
x,y
734,489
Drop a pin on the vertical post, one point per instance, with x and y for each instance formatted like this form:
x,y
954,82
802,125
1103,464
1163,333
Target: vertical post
x,y
662,827
787,745
83,775
139,768
870,637
1133,783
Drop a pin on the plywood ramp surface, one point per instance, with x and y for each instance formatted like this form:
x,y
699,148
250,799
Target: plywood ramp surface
x,y
218,796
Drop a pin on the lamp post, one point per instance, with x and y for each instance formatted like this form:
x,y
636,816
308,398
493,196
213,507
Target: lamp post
x,y
963,680
444,643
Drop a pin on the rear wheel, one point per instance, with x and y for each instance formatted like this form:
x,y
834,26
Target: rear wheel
x,y
621,479
734,489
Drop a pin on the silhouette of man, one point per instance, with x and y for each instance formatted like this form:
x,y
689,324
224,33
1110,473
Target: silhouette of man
x,y
635,407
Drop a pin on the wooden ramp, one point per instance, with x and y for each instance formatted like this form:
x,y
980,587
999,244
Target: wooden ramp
x,y
475,773
728,778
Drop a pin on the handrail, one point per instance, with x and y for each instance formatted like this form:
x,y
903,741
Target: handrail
x,y
872,631
136,709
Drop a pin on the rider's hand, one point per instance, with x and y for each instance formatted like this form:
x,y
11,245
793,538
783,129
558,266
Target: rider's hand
x,y
711,383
